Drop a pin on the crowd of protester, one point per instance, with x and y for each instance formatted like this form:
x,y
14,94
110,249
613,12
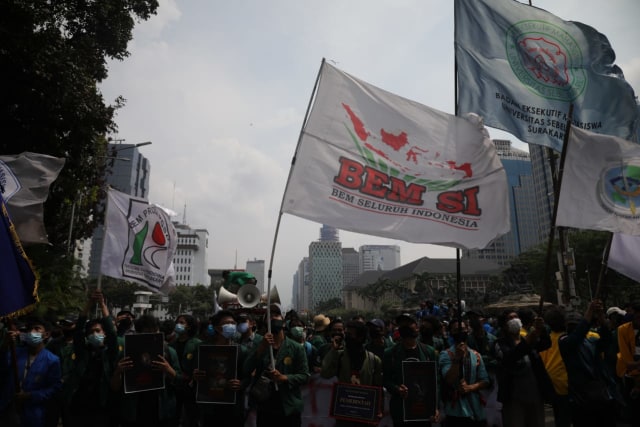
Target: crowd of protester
x,y
586,366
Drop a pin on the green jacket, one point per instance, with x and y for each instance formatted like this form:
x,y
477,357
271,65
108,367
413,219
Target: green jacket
x,y
188,359
291,360
337,363
75,360
392,368
166,396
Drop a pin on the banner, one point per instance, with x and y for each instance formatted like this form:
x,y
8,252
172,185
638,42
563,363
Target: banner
x,y
600,187
375,163
623,255
520,67
139,241
24,183
18,280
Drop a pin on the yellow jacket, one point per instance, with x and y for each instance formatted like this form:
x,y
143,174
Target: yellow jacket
x,y
626,349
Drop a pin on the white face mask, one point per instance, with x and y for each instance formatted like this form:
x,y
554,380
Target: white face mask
x,y
514,326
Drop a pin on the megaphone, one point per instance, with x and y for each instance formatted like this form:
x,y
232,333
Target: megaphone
x,y
226,297
275,298
248,296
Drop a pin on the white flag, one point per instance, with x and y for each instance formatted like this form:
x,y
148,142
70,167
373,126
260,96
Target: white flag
x,y
375,163
24,183
600,187
140,241
624,255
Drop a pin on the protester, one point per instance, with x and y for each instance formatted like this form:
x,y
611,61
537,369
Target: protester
x,y
37,372
628,364
153,407
278,383
248,337
592,390
408,348
556,320
297,332
464,376
336,329
523,383
319,338
124,323
186,346
378,340
233,415
88,371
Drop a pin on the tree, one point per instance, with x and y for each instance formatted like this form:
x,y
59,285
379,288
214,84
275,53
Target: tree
x,y
53,55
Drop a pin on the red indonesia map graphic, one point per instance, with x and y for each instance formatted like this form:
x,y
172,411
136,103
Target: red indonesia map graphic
x,y
395,152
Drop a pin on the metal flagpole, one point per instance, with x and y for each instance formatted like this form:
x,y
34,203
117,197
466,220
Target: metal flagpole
x,y
556,196
275,237
104,237
455,95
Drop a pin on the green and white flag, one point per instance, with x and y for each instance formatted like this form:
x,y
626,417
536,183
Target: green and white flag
x,y
139,241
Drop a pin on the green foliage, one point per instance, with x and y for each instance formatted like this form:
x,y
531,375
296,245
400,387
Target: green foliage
x,y
326,306
197,300
119,293
53,56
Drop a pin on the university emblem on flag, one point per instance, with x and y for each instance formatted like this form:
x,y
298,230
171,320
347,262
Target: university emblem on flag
x,y
546,59
9,184
619,188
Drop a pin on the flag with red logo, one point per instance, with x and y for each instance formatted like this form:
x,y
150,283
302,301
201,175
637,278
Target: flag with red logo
x,y
520,68
139,241
375,163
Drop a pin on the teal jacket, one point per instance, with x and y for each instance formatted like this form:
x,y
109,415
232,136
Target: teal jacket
x,y
188,360
291,360
392,368
337,363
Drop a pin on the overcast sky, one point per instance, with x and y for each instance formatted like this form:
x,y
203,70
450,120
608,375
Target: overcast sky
x,y
222,87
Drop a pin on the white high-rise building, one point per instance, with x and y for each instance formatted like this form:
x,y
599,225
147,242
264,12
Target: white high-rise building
x,y
379,257
256,267
190,258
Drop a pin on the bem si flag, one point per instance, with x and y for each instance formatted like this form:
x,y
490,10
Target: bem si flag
x,y
140,241
375,163
624,255
600,187
520,68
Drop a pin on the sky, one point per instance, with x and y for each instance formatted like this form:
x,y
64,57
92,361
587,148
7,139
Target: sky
x,y
221,88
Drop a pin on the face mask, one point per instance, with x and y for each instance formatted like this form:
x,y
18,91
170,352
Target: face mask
x,y
459,337
514,326
243,327
33,338
180,328
228,331
352,344
297,332
95,340
211,330
124,325
276,326
407,332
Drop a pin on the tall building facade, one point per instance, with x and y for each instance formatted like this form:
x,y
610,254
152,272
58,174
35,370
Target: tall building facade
x,y
544,188
325,271
379,257
256,267
301,294
525,224
350,265
130,172
190,258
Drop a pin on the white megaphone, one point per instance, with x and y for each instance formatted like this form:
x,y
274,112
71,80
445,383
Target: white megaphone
x,y
226,297
275,298
248,295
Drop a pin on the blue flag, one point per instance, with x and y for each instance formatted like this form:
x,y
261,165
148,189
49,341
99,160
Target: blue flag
x,y
520,67
18,280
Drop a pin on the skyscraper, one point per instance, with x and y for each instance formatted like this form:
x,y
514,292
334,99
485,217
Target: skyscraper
x,y
379,257
190,259
256,267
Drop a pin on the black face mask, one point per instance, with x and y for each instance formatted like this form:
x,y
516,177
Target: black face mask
x,y
459,337
124,325
353,344
408,332
276,326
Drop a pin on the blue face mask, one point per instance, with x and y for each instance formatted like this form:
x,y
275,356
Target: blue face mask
x,y
211,330
243,327
229,331
180,328
33,338
95,340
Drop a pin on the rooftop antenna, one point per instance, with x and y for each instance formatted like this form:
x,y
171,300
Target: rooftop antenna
x,y
184,214
173,199
235,264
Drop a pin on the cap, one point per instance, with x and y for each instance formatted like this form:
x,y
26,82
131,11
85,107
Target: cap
x,y
616,310
68,321
320,322
379,323
405,318
125,312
